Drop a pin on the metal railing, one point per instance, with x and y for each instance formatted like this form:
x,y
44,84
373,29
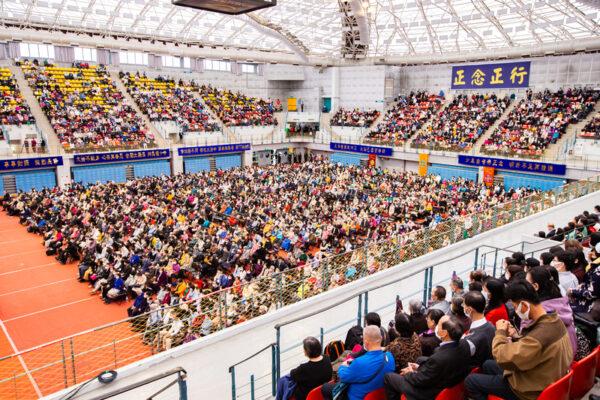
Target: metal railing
x,y
291,354
50,367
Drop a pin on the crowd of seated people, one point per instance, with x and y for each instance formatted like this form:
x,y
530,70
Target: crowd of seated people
x,y
355,118
237,109
175,238
405,118
85,108
539,120
13,108
163,99
464,120
592,128
510,336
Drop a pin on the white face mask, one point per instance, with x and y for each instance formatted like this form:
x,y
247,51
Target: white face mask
x,y
523,315
437,334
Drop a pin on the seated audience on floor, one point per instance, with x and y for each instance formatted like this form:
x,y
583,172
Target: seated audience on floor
x,y
354,118
85,108
237,109
13,108
405,118
446,367
307,376
458,126
188,236
364,374
539,120
163,99
524,363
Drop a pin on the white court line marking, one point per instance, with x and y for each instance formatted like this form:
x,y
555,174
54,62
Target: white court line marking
x,y
28,268
21,254
16,351
37,287
49,309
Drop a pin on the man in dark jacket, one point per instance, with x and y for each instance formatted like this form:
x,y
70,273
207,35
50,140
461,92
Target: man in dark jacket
x,y
447,367
481,332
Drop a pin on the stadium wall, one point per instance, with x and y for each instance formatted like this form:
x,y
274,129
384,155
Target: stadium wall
x,y
207,360
552,72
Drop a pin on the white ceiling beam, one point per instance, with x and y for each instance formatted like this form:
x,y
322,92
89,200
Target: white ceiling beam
x,y
59,12
433,39
487,13
87,11
188,26
111,21
140,17
584,20
167,18
400,29
465,27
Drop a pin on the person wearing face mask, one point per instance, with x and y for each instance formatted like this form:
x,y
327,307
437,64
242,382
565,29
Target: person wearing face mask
x,y
552,301
493,291
428,339
563,263
524,364
481,332
447,367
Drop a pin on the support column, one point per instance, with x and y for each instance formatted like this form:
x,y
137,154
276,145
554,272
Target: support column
x,y
63,172
335,88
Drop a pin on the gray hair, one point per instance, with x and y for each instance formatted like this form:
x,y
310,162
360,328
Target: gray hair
x,y
415,306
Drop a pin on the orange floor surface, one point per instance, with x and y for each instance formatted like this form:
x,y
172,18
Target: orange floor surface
x,y
41,301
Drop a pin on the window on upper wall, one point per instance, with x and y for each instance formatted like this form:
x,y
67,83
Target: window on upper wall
x,y
217,65
133,57
36,50
86,54
249,68
187,63
171,61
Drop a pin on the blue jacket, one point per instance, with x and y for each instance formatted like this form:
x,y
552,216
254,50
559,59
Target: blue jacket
x,y
362,369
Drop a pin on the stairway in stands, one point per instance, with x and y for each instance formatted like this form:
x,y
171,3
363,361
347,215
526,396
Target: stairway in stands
x,y
427,123
52,142
227,131
479,144
213,163
160,141
553,151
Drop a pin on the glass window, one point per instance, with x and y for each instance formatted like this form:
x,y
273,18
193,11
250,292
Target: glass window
x,y
187,62
133,57
216,65
36,50
86,54
171,61
249,68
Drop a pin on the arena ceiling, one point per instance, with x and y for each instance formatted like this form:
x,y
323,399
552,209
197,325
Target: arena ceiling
x,y
314,27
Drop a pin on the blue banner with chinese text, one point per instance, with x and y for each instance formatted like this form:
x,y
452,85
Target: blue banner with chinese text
x,y
30,163
216,149
120,156
361,148
513,165
505,75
